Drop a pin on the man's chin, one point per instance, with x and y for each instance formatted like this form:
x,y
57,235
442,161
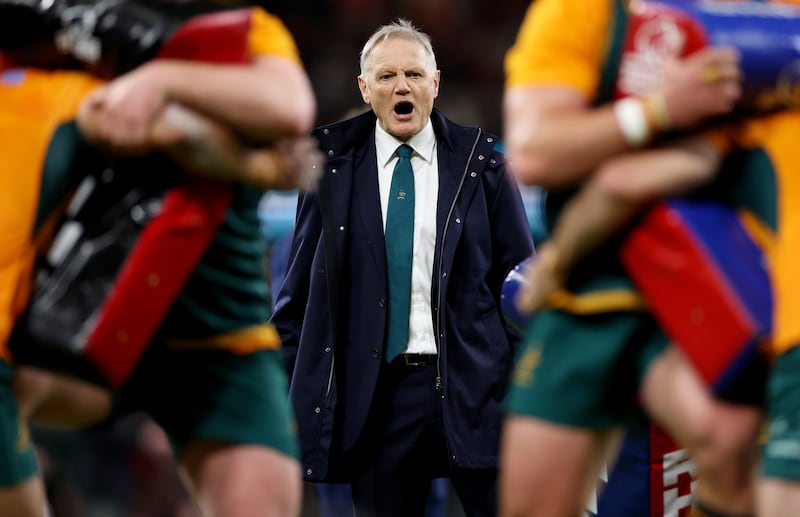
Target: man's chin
x,y
403,130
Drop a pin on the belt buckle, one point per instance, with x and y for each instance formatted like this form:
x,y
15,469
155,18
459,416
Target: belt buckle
x,y
418,359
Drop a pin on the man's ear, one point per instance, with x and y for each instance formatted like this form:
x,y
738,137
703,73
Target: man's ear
x,y
362,85
436,79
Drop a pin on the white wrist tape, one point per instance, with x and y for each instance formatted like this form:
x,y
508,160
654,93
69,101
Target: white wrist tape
x,y
632,121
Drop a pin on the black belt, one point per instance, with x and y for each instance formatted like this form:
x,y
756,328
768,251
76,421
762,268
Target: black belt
x,y
418,359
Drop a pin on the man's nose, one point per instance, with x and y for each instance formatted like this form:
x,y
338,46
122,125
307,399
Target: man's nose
x,y
401,86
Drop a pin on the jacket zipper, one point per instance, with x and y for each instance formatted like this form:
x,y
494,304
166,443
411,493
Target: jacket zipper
x,y
330,376
438,385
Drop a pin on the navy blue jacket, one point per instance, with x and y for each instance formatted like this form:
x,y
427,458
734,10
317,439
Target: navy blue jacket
x,y
331,309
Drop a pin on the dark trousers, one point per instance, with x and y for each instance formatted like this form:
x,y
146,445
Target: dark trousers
x,y
402,448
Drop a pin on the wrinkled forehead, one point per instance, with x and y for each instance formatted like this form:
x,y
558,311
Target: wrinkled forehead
x,y
417,51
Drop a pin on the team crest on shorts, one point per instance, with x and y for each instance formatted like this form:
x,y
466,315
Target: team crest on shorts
x,y
23,438
526,365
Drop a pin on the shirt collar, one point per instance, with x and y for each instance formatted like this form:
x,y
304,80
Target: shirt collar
x,y
422,143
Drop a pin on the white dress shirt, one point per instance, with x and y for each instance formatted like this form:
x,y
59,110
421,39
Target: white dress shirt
x,y
426,193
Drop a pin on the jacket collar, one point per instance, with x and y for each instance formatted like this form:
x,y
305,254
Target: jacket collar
x,y
339,137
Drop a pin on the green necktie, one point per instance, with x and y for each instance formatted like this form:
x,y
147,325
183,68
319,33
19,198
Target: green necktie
x,y
399,242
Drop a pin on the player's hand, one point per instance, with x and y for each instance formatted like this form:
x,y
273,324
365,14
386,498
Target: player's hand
x,y
289,164
701,86
305,161
542,279
120,115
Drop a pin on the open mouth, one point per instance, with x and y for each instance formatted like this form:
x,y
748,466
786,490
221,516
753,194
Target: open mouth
x,y
403,108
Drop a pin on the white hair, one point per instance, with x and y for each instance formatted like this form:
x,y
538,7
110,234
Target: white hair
x,y
400,28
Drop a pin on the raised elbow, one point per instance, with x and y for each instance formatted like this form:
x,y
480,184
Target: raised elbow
x,y
294,115
305,115
287,106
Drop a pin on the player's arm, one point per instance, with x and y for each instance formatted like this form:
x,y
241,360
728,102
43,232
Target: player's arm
x,y
555,137
263,102
609,200
207,147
